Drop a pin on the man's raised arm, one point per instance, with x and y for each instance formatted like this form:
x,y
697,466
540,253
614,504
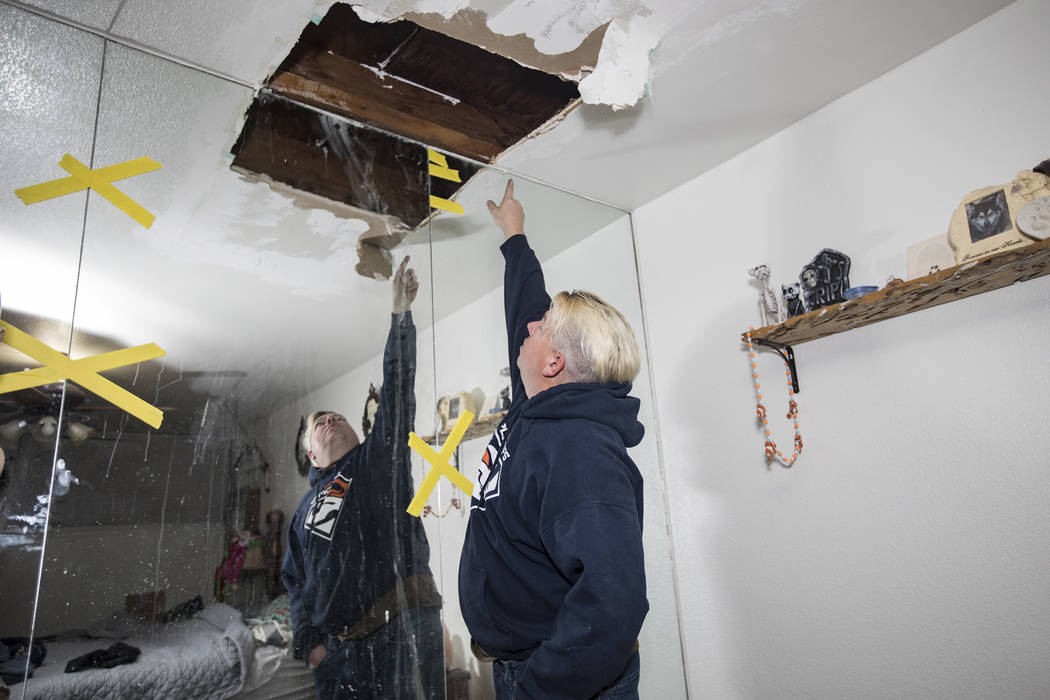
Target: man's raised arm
x,y
525,297
397,396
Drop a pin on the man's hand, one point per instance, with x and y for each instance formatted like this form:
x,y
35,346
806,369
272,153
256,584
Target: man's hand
x,y
509,215
405,287
317,655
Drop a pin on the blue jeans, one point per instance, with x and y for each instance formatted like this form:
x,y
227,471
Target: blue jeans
x,y
402,659
506,675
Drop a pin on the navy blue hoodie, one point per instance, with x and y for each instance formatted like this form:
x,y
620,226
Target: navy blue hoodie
x,y
552,572
350,540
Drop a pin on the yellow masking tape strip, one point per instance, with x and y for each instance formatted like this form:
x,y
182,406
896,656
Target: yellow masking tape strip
x,y
440,463
436,157
58,367
27,379
120,200
444,173
69,185
447,205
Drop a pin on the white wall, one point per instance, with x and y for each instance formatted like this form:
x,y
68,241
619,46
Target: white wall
x,y
905,554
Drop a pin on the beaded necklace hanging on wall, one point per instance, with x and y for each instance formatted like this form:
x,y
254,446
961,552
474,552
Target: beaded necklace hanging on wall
x,y
772,453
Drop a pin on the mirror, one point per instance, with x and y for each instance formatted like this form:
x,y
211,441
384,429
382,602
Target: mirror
x,y
45,113
581,245
128,547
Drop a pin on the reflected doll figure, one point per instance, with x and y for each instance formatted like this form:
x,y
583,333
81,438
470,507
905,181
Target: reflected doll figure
x,y
365,610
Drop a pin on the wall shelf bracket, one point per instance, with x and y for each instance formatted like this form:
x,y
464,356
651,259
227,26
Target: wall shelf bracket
x,y
785,352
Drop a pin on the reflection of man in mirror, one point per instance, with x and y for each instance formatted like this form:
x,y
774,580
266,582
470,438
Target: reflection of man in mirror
x,y
365,610
551,581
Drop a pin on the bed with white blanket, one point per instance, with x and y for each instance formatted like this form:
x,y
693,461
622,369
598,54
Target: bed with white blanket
x,y
213,654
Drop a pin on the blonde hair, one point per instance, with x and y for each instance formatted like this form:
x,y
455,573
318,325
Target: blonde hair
x,y
595,339
309,430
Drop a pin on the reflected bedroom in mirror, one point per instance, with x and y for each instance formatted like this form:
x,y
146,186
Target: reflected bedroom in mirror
x,y
226,307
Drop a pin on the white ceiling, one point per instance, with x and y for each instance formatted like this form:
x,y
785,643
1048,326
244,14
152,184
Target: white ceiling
x,y
234,264
723,74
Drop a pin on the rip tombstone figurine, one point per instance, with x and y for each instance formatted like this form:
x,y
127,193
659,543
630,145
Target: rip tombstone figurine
x,y
825,279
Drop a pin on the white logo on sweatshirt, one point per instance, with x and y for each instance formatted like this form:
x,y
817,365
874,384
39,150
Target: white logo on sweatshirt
x,y
324,511
486,486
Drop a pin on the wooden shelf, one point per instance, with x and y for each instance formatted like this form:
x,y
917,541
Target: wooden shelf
x,y
984,275
479,428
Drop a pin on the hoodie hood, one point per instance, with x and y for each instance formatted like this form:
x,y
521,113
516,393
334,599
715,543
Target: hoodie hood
x,y
316,473
608,404
329,472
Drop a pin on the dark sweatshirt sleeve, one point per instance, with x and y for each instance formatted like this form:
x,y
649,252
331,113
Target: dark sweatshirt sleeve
x,y
397,397
525,300
305,635
596,545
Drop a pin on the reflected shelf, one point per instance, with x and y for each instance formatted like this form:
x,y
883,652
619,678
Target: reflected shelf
x,y
479,428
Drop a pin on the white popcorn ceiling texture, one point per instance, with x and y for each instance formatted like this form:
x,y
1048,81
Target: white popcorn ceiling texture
x,y
680,85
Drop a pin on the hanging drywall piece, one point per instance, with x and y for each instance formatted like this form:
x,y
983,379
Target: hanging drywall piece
x,y
439,168
57,367
621,77
82,177
440,463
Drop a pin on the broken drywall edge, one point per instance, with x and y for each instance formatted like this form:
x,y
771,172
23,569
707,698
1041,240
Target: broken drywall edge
x,y
621,77
380,11
471,26
374,262
559,27
383,234
552,122
310,200
367,14
286,44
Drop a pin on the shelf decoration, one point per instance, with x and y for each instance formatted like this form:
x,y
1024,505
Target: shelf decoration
x,y
825,279
1018,264
772,451
986,221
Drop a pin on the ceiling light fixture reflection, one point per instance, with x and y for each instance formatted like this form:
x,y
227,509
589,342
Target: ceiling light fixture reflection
x,y
45,429
78,433
10,430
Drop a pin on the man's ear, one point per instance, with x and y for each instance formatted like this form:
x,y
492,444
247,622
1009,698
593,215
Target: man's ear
x,y
313,458
554,367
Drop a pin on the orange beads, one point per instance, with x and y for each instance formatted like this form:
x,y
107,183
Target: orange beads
x,y
770,447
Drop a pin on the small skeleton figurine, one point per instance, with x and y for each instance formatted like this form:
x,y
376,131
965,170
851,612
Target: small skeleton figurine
x,y
772,311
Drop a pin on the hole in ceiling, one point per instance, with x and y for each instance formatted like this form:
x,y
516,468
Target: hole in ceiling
x,y
404,79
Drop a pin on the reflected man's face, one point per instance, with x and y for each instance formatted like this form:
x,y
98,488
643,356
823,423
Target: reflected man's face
x,y
331,438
